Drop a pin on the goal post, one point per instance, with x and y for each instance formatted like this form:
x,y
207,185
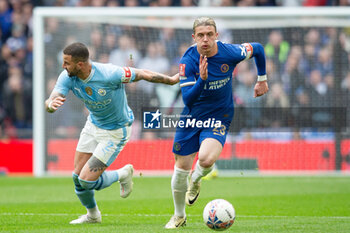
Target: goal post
x,y
56,26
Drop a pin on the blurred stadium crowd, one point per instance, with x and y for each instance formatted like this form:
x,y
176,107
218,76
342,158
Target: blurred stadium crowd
x,y
300,63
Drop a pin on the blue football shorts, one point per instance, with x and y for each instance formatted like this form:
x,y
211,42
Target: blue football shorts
x,y
188,140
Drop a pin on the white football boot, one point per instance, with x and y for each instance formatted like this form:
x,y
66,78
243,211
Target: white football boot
x,y
192,192
87,219
126,183
176,222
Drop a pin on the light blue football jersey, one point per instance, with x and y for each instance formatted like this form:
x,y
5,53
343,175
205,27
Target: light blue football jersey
x,y
103,94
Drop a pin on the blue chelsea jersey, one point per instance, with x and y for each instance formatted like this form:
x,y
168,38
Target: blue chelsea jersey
x,y
103,94
216,99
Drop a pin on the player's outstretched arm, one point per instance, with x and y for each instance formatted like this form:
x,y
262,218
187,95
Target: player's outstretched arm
x,y
155,77
55,101
261,87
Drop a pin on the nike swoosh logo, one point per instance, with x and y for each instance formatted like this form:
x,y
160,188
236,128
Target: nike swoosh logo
x,y
180,224
194,199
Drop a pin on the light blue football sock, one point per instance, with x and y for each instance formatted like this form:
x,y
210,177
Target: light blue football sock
x,y
104,181
107,178
86,197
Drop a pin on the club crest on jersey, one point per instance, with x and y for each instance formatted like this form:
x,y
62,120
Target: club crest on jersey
x,y
224,68
88,91
101,92
177,146
182,68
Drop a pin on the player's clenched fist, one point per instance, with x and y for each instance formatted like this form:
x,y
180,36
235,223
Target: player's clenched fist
x,y
260,88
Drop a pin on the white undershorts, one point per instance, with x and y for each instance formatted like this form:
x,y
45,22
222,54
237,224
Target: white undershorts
x,y
103,144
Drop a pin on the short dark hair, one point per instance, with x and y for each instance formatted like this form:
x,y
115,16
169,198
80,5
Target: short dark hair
x,y
78,51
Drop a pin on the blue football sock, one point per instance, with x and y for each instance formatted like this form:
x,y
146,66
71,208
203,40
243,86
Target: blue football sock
x,y
85,196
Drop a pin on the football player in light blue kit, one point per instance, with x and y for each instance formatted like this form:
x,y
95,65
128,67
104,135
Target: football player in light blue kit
x,y
108,127
206,85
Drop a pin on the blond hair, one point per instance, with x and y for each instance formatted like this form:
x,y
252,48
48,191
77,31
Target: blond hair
x,y
203,21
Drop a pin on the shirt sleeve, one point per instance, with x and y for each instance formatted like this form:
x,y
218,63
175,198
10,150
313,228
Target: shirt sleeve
x,y
238,52
259,56
121,74
190,87
247,51
63,84
186,73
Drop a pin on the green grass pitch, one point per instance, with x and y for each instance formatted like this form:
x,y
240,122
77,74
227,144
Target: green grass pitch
x,y
263,204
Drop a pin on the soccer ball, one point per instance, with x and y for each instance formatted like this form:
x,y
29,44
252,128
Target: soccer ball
x,y
219,215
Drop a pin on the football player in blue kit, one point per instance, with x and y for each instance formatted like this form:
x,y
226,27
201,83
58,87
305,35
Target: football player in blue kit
x,y
107,129
206,85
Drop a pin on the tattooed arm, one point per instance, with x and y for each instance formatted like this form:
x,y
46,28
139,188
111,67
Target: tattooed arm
x,y
155,77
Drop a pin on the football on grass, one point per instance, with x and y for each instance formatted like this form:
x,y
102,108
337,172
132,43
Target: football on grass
x,y
219,214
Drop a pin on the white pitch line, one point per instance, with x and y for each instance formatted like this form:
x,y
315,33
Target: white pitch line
x,y
167,215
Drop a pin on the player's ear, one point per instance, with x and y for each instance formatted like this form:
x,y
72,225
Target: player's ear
x,y
80,64
193,36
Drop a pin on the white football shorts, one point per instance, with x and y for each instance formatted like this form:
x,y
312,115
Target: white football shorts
x,y
103,144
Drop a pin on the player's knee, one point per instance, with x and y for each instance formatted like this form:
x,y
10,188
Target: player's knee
x,y
88,185
207,162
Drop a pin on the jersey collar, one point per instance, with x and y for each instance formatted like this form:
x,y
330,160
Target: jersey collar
x,y
90,76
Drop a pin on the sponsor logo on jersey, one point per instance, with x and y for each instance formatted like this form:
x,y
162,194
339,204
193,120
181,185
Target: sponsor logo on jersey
x,y
224,68
183,78
88,91
102,92
77,89
90,104
217,84
127,75
182,69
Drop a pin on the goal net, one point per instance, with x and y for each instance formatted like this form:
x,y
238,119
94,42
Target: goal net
x,y
299,126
